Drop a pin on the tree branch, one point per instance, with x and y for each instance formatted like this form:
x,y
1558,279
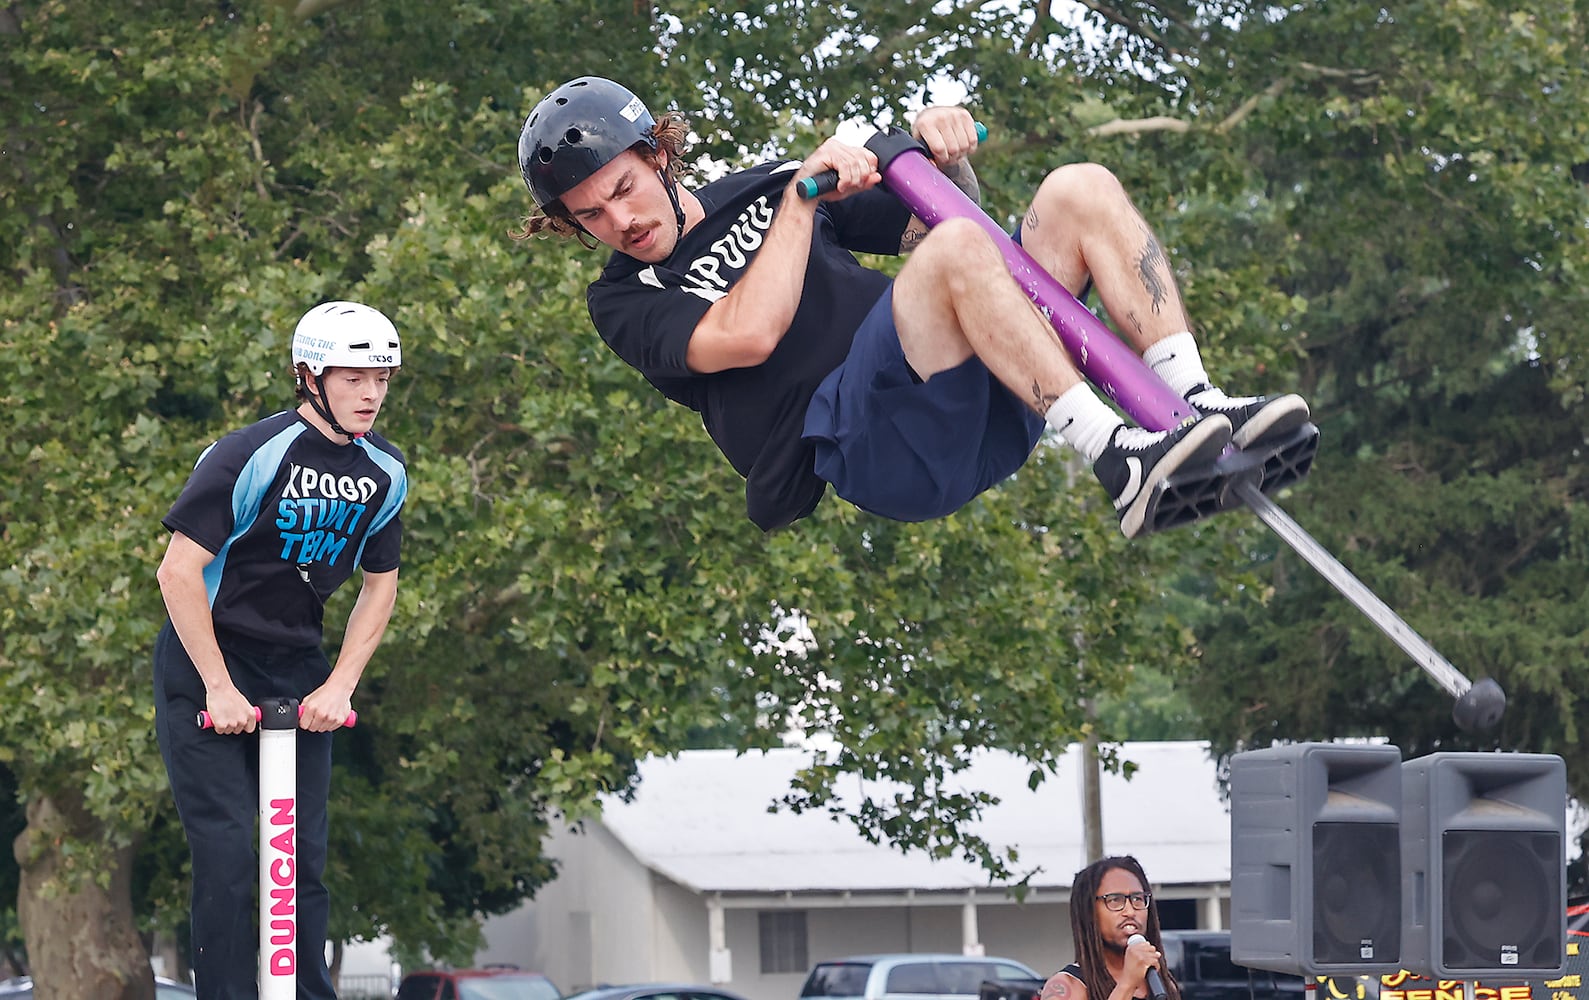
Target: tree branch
x,y
1162,123
1360,77
1169,15
307,9
1250,104
1112,16
62,268
1045,10
1139,126
251,124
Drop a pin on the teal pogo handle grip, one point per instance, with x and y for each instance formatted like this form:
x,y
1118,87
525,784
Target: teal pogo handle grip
x,y
827,180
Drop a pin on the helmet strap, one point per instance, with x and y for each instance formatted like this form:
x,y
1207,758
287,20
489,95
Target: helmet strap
x,y
322,406
586,238
673,196
664,162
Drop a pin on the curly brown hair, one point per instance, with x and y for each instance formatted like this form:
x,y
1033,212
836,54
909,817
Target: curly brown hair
x,y
1089,940
672,133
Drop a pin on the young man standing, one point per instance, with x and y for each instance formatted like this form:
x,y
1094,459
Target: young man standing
x,y
743,301
274,518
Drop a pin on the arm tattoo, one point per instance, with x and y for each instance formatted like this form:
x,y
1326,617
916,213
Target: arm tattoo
x,y
960,175
1155,270
964,178
1054,989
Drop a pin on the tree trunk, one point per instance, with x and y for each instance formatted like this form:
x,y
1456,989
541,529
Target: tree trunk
x,y
1091,792
79,929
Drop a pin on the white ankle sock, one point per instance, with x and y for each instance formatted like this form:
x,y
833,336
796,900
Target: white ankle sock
x,y
1214,396
1083,420
1175,360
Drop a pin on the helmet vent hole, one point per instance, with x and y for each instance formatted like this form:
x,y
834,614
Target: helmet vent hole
x,y
361,346
573,137
544,154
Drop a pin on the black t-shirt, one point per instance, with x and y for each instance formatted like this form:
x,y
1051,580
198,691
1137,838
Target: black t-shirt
x,y
289,514
647,313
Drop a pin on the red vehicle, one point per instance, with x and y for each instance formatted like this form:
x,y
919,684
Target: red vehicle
x,y
491,983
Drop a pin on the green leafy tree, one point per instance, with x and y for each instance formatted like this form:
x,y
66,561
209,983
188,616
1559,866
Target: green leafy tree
x,y
1414,179
581,587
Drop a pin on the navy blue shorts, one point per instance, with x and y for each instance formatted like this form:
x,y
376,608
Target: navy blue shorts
x,y
910,450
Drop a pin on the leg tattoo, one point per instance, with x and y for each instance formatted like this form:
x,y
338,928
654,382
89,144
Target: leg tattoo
x,y
1155,270
1041,401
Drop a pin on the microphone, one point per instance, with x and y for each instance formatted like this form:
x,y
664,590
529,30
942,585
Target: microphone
x,y
1154,980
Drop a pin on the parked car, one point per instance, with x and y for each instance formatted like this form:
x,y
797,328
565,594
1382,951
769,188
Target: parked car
x,y
1011,989
656,991
1200,961
910,977
495,982
21,988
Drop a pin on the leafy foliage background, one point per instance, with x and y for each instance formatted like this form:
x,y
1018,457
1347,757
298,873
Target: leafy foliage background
x,y
1383,207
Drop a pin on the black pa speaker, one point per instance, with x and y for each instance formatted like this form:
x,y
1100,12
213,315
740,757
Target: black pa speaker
x,y
1315,859
1484,865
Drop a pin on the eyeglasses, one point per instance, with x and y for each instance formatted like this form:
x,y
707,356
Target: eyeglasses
x,y
1116,901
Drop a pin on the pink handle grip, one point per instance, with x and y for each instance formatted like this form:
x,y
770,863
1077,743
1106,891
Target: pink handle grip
x,y
205,723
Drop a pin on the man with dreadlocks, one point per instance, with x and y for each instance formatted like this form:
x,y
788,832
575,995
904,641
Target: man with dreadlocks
x,y
1109,905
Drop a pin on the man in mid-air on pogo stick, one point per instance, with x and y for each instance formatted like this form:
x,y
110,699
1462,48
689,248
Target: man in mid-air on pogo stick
x,y
742,301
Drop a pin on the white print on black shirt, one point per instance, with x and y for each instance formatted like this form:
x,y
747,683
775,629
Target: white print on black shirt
x,y
318,512
711,274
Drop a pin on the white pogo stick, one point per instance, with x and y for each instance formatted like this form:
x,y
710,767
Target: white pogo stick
x,y
278,836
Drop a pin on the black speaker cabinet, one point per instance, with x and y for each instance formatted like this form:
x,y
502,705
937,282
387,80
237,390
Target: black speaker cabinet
x,y
1484,865
1315,859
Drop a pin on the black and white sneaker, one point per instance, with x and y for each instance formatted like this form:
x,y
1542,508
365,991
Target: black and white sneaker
x,y
1136,461
1253,419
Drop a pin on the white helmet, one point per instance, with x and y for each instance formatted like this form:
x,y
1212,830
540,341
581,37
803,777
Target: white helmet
x,y
345,335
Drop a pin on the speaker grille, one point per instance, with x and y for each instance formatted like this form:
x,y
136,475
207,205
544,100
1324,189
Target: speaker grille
x,y
1357,893
1501,899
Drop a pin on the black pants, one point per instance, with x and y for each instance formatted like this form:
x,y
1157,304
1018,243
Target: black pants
x,y
215,781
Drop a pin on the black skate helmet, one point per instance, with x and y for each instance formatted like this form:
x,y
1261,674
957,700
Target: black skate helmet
x,y
575,131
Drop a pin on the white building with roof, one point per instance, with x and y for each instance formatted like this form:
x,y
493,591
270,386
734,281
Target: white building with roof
x,y
696,880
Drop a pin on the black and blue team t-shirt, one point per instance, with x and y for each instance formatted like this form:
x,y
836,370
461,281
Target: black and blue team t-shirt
x,y
647,312
289,514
